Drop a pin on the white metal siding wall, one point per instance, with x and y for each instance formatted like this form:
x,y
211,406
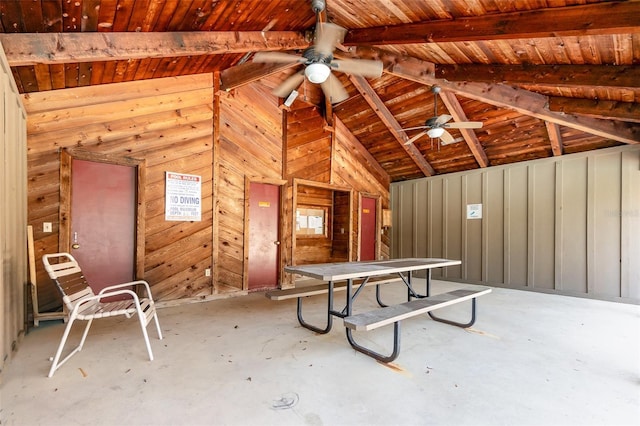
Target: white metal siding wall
x,y
13,212
569,224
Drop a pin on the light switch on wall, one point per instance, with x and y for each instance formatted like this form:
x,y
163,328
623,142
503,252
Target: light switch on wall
x,y
46,227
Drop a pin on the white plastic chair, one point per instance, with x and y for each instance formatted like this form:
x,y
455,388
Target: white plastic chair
x,y
83,304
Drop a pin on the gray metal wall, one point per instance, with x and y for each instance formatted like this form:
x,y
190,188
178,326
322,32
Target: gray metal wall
x,y
569,224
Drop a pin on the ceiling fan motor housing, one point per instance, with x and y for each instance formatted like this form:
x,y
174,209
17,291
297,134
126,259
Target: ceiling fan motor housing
x,y
312,56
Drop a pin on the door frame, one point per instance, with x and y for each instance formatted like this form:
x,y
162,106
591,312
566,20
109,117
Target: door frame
x,y
378,199
67,156
248,180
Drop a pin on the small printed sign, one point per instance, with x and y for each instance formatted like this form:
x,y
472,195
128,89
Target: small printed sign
x,y
183,197
474,211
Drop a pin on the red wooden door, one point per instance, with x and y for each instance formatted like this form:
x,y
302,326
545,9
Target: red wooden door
x,y
103,215
368,231
264,226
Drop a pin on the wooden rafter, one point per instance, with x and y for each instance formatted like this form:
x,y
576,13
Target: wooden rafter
x,y
555,138
617,17
58,48
248,72
522,101
456,111
625,111
622,76
374,101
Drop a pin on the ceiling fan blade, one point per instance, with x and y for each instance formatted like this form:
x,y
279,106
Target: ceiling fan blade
x,y
416,128
334,90
415,137
283,90
464,125
327,36
364,67
277,57
446,138
443,119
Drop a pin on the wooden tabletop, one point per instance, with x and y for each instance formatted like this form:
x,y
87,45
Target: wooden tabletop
x,y
350,270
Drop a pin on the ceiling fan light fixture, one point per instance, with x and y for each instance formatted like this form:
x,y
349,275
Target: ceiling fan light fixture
x,y
317,73
435,132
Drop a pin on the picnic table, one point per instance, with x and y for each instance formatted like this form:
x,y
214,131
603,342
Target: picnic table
x,y
352,277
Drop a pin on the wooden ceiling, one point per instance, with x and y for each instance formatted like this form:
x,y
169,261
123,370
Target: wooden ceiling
x,y
546,77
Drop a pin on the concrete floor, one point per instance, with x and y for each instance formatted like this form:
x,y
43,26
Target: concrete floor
x,y
530,359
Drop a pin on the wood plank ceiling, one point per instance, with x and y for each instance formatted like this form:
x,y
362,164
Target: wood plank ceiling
x,y
545,77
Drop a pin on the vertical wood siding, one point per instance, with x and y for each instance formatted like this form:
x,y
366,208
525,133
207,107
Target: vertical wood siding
x,y
13,214
569,225
165,122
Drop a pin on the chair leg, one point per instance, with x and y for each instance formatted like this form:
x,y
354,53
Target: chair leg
x,y
56,363
84,335
143,326
155,317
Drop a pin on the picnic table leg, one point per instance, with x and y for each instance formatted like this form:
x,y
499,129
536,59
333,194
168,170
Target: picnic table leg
x,y
379,297
446,321
376,355
458,324
329,313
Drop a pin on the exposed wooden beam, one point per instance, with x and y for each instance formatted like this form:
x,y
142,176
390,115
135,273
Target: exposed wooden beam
x,y
374,101
624,76
617,17
522,101
456,111
554,137
625,111
59,48
248,72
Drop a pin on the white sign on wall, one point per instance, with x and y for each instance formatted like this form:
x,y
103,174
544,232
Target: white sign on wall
x,y
474,211
183,197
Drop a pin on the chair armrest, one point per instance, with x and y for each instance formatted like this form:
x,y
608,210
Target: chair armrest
x,y
103,294
128,284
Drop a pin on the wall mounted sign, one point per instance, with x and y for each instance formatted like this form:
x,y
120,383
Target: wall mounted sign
x,y
311,222
183,197
474,211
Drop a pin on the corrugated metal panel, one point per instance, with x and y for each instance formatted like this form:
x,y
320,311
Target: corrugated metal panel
x,y
569,224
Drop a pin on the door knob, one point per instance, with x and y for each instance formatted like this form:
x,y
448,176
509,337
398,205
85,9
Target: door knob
x,y
75,246
276,243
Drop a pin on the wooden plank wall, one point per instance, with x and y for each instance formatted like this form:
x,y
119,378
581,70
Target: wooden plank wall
x,y
340,234
250,128
170,124
165,122
315,249
315,154
353,167
13,214
308,145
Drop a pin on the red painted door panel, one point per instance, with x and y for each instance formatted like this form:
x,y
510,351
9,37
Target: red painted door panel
x,y
103,214
368,236
264,225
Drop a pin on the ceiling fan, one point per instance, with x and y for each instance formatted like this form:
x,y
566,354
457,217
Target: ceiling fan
x,y
436,126
319,61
